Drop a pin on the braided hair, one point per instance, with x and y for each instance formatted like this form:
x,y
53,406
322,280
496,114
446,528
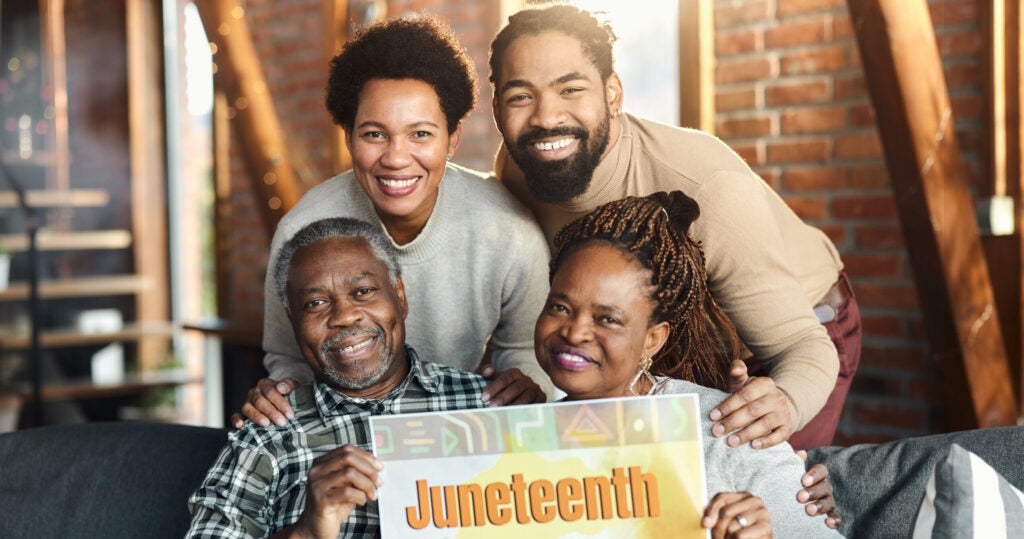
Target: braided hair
x,y
654,230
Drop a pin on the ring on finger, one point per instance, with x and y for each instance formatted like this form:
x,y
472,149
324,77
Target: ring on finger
x,y
742,521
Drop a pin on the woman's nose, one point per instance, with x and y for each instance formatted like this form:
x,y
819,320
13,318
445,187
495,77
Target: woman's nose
x,y
396,155
576,330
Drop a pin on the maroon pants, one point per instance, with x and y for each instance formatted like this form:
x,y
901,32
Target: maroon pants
x,y
845,332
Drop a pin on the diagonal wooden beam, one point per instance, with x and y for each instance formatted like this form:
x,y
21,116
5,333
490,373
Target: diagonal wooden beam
x,y
240,76
915,121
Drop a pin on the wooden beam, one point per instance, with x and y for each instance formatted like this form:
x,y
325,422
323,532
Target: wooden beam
x,y
697,64
239,74
148,181
335,36
1015,167
908,90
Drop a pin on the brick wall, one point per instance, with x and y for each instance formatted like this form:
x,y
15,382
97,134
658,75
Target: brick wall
x,y
791,99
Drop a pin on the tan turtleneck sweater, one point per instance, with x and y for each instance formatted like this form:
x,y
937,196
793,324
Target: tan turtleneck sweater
x,y
766,267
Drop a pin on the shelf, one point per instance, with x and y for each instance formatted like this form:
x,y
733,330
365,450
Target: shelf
x,y
38,158
132,383
72,198
80,287
69,337
69,241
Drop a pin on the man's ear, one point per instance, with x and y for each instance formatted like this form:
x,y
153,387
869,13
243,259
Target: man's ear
x,y
613,92
400,291
657,335
496,112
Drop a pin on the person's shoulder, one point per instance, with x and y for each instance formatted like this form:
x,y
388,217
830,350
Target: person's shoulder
x,y
325,194
709,397
483,193
692,153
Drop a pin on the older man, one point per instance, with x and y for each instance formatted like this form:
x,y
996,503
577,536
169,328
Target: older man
x,y
569,147
314,476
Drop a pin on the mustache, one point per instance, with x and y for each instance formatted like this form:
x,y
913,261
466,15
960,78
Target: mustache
x,y
335,341
536,133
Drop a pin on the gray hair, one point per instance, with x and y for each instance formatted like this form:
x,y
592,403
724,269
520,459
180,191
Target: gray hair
x,y
335,227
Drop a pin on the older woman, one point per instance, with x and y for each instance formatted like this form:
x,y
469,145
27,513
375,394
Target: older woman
x,y
629,313
473,259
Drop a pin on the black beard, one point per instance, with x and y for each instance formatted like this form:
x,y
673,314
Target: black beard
x,y
565,179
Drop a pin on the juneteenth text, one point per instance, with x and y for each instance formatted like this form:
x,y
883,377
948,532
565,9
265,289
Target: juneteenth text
x,y
625,494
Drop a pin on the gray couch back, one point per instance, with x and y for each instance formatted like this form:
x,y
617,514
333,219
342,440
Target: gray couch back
x,y
102,479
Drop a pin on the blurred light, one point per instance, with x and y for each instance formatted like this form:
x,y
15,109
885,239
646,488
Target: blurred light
x,y
274,203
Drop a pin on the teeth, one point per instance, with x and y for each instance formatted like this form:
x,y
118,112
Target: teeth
x,y
398,184
547,146
358,346
572,358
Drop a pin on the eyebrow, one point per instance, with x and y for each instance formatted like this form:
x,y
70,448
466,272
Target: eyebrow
x,y
523,83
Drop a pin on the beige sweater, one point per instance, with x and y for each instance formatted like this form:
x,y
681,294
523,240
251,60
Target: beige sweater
x,y
766,267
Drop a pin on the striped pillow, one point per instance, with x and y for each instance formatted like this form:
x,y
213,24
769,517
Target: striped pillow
x,y
966,498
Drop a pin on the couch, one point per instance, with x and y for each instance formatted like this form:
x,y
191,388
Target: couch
x,y
113,480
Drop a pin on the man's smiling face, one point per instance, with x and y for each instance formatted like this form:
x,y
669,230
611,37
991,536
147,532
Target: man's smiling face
x,y
348,318
553,111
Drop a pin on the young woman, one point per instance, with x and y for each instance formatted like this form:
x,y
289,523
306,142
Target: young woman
x,y
472,258
629,313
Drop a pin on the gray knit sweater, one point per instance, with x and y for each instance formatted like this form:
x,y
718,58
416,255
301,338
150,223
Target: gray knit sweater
x,y
773,474
476,276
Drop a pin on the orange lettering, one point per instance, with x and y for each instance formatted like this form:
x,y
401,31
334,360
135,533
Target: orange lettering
x,y
569,490
419,519
542,492
471,502
644,485
497,495
620,481
597,490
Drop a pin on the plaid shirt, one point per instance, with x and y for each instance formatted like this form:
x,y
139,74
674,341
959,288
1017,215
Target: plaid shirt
x,y
258,484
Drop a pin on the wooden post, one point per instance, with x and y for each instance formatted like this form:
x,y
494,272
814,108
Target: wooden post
x,y
905,79
148,181
335,32
239,74
697,65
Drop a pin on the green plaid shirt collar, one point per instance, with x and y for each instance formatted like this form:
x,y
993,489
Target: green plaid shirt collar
x,y
258,484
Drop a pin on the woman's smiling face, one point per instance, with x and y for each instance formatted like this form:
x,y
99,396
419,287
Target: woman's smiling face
x,y
596,324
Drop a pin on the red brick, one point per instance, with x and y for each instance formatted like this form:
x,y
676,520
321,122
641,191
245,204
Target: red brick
x,y
873,265
851,86
814,178
737,13
842,29
794,7
862,115
735,42
953,12
889,415
836,233
892,357
769,175
893,296
869,176
876,384
879,236
864,207
802,150
962,75
747,69
858,146
925,390
735,99
959,43
812,119
744,127
966,107
794,33
881,325
813,60
808,208
752,153
805,91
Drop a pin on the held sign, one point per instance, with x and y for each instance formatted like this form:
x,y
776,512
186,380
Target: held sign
x,y
630,467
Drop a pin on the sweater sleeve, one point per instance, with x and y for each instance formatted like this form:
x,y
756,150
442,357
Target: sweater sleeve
x,y
523,294
751,279
282,358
